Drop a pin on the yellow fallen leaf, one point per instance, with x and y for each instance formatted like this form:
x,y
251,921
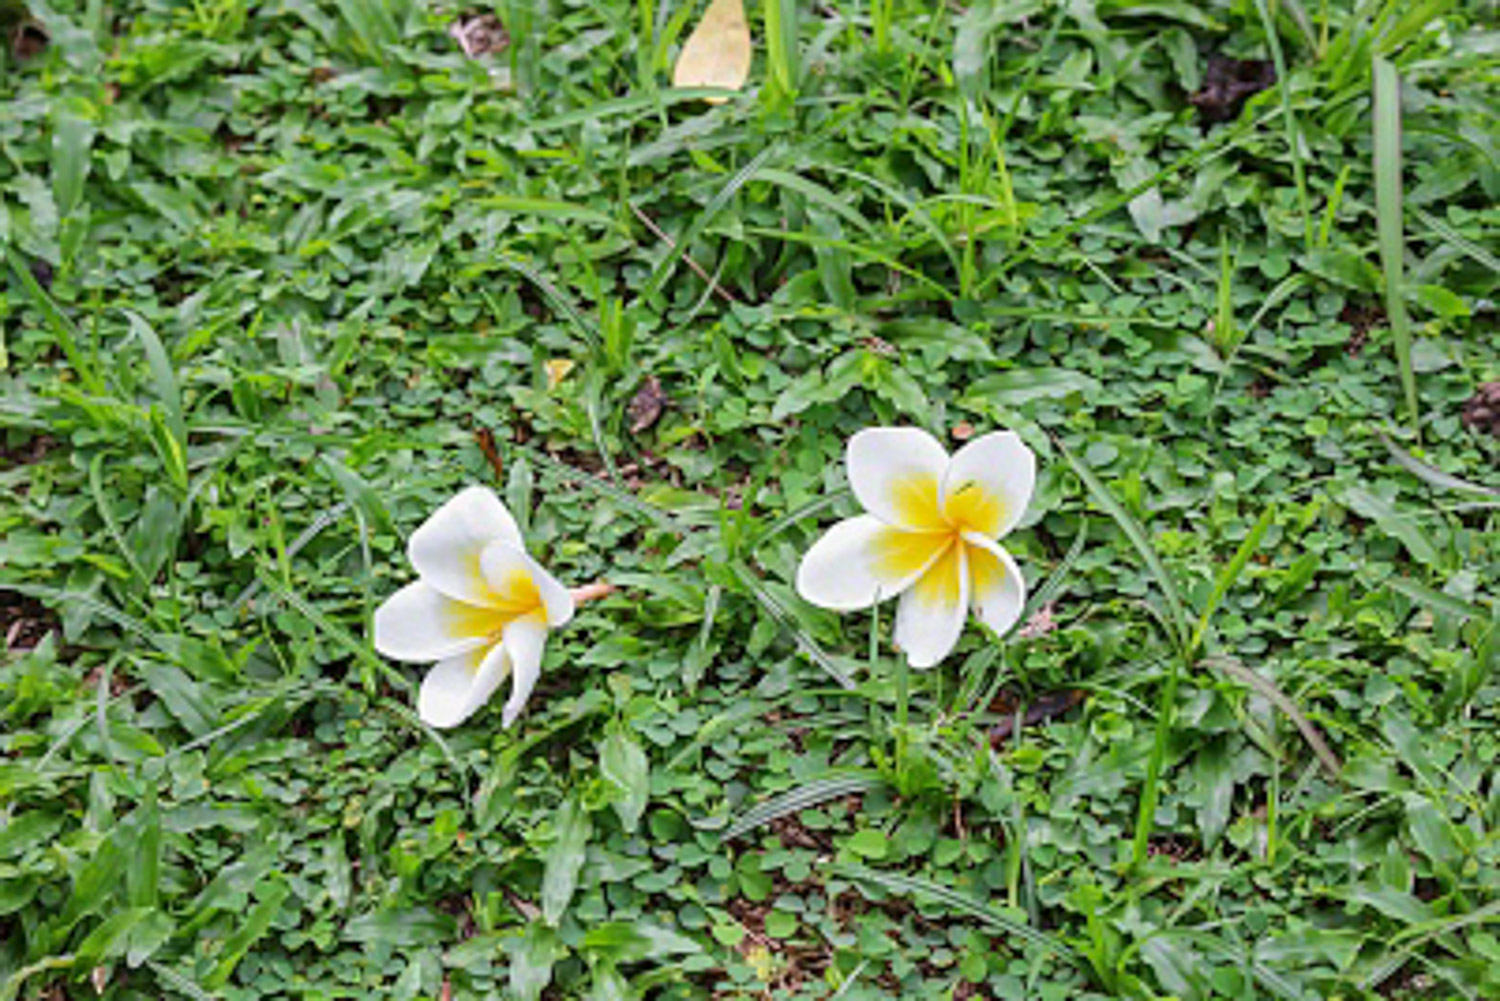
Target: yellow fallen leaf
x,y
557,371
717,53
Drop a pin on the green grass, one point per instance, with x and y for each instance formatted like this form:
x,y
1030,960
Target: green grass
x,y
280,279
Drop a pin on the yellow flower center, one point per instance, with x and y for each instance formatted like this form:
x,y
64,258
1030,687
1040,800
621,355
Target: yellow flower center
x,y
931,532
515,598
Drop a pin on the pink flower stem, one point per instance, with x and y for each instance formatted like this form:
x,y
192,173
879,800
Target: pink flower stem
x,y
589,592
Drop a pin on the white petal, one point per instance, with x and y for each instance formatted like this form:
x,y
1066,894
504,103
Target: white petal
x,y
523,642
989,483
557,599
445,549
931,614
862,560
420,623
897,474
996,587
458,686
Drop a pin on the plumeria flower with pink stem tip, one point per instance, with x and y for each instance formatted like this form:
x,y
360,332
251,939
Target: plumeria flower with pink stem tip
x,y
480,609
930,533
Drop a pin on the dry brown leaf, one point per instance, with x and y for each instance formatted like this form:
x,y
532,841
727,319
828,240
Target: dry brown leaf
x,y
557,371
646,407
717,53
479,35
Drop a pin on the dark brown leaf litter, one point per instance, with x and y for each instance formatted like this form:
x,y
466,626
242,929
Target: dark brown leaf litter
x,y
27,39
24,621
646,407
32,449
1227,84
479,35
1040,624
1044,707
1482,411
1362,318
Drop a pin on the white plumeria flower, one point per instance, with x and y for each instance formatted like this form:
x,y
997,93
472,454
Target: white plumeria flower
x,y
481,610
930,535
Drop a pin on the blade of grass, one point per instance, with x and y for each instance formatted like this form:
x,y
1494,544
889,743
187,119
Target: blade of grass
x,y
1048,592
913,886
853,248
160,364
781,45
373,665
1460,242
700,222
1288,120
1431,474
913,209
1388,222
809,794
657,101
1282,701
1136,533
1177,625
1423,933
559,302
1230,574
815,192
1437,601
62,328
547,207
784,619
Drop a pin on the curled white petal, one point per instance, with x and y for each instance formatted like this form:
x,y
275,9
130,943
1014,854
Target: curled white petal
x,y
931,613
557,600
861,560
897,473
997,589
457,687
445,549
989,483
420,623
523,643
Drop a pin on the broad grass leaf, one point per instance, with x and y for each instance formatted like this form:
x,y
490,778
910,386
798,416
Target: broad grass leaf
x,y
33,828
143,878
971,39
1343,267
248,932
631,941
402,927
183,697
1398,526
532,954
1214,774
1177,965
1432,834
72,146
572,826
624,767
1393,903
1018,386
717,53
112,937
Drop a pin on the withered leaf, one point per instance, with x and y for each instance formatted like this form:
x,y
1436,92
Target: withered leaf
x,y
646,406
717,53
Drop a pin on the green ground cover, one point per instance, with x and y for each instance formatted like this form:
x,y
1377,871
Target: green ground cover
x,y
281,278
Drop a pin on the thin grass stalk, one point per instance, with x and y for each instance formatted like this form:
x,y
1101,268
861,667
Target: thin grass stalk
x,y
1388,223
1145,818
1288,120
